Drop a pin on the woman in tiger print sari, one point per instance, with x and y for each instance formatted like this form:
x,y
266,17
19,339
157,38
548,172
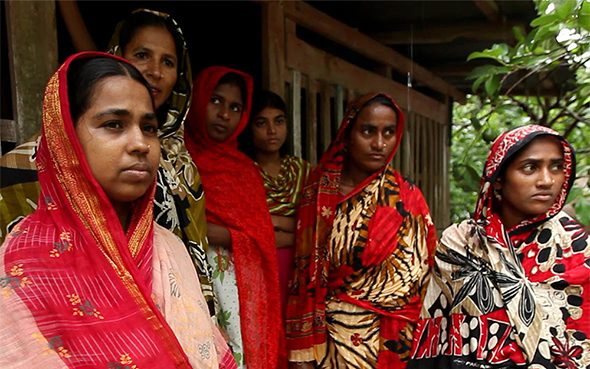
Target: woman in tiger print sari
x,y
363,244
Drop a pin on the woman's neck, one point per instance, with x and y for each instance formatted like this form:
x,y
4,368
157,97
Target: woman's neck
x,y
352,176
123,211
270,162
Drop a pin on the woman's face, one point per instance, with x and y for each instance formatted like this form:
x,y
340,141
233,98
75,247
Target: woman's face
x,y
372,137
532,180
118,134
153,52
269,130
224,111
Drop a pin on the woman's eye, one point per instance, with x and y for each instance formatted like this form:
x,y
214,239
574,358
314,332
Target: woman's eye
x,y
260,123
528,168
150,128
112,125
280,121
557,167
169,63
141,55
236,108
214,100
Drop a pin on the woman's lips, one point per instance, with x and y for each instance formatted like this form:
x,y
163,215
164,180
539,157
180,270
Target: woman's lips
x,y
139,171
219,127
542,197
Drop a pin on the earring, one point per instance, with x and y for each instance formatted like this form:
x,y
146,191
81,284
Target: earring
x,y
497,194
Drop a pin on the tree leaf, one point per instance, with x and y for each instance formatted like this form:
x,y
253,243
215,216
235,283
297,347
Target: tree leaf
x,y
518,33
583,211
565,9
471,178
544,19
584,15
492,85
478,82
480,71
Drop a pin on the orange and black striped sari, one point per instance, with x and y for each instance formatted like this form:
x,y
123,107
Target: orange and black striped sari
x,y
361,262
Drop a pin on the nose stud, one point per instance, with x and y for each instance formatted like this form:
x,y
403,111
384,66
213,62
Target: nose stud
x,y
161,75
553,181
384,145
149,147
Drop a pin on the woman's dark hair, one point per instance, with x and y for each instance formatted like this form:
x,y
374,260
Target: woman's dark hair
x,y
379,99
262,99
139,20
84,75
237,80
267,99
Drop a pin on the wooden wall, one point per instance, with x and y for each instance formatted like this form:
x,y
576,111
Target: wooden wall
x,y
317,86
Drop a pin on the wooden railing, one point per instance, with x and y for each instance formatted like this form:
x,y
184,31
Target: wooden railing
x,y
317,86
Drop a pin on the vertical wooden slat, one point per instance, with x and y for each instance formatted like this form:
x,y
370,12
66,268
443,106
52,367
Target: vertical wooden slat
x,y
339,104
273,47
407,159
32,53
296,112
312,122
325,116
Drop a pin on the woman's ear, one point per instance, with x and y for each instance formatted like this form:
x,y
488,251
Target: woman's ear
x,y
498,184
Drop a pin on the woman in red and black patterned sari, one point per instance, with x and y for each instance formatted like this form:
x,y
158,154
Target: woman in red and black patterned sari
x,y
511,286
363,244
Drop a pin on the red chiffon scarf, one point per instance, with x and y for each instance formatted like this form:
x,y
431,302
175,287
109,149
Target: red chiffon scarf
x,y
236,199
86,282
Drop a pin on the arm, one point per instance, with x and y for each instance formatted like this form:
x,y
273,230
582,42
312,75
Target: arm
x,y
218,235
283,223
76,27
284,239
302,365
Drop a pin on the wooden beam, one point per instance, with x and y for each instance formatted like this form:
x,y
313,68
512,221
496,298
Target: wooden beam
x,y
32,53
7,130
273,47
319,22
489,8
296,109
448,33
320,65
312,122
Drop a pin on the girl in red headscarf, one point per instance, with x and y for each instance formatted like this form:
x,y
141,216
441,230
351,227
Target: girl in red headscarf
x,y
511,287
240,231
363,243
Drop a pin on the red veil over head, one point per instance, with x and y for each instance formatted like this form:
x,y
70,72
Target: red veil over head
x,y
86,282
236,199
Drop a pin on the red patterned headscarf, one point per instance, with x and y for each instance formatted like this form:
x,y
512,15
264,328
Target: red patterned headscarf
x,y
505,147
85,281
236,199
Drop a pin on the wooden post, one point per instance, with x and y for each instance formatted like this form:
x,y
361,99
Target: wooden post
x,y
273,47
32,53
312,122
339,104
326,118
296,109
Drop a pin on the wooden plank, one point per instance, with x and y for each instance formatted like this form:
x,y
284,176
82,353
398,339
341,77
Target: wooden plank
x,y
321,65
7,130
325,116
339,104
436,34
489,8
296,112
312,122
319,22
32,53
273,47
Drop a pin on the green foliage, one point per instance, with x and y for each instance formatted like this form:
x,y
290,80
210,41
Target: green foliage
x,y
558,42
